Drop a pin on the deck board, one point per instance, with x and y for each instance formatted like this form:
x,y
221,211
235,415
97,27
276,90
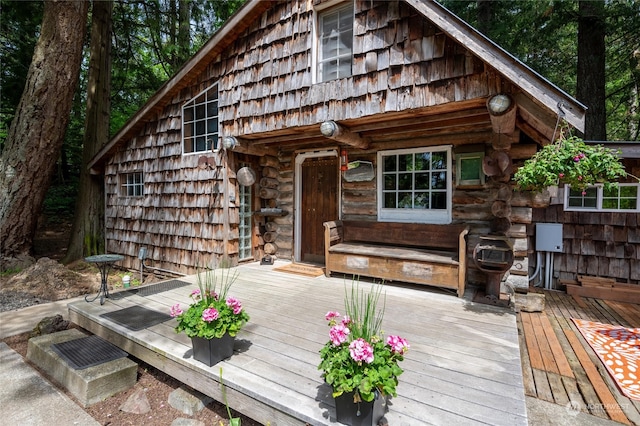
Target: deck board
x,y
463,366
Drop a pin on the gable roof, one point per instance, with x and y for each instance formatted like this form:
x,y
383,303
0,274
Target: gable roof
x,y
514,70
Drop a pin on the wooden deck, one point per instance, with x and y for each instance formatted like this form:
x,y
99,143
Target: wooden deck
x,y
464,365
560,367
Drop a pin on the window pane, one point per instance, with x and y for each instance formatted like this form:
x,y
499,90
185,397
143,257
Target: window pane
x,y
423,161
470,168
439,180
212,126
439,200
200,112
421,200
201,144
390,163
212,109
630,191
390,182
405,181
405,200
405,162
188,114
200,129
439,160
188,130
390,200
422,180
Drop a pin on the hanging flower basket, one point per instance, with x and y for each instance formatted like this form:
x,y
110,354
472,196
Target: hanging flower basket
x,y
570,161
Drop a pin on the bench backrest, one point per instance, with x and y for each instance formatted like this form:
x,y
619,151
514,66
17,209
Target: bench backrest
x,y
404,234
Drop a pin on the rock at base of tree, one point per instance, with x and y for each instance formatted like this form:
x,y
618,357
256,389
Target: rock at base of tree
x,y
17,263
49,325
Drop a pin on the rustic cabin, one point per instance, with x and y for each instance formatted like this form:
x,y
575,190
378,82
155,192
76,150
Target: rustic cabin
x,y
377,138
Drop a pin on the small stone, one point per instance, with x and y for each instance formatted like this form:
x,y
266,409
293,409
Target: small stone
x,y
187,422
49,325
530,302
137,403
188,401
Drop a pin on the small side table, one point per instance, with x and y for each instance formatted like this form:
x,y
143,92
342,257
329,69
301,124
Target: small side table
x,y
104,262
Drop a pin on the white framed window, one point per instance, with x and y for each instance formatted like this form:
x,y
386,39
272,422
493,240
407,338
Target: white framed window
x,y
131,184
245,222
414,185
335,43
200,122
623,197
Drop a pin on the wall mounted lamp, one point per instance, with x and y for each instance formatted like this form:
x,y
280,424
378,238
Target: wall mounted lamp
x,y
229,142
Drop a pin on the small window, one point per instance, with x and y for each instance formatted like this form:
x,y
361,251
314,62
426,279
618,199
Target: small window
x,y
622,197
200,122
469,169
131,185
335,43
415,185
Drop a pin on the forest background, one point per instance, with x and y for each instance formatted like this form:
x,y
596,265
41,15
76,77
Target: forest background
x,y
127,49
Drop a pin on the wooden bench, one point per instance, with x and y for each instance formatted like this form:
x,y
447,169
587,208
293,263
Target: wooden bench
x,y
410,252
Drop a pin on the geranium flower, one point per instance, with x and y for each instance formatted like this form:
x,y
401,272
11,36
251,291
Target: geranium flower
x,y
210,314
331,315
195,294
175,310
234,304
346,320
338,334
398,344
360,350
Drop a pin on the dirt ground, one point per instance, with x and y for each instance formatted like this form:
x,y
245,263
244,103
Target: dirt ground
x,y
48,280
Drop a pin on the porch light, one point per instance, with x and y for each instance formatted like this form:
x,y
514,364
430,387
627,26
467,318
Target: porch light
x,y
499,104
328,128
229,142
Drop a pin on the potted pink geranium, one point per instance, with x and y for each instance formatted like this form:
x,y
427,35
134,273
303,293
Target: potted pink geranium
x,y
213,319
358,362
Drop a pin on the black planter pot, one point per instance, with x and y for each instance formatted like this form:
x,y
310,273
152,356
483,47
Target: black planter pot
x,y
360,413
212,351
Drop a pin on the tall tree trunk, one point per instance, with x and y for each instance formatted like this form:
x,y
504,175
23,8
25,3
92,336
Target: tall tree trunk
x,y
37,132
590,88
485,16
87,233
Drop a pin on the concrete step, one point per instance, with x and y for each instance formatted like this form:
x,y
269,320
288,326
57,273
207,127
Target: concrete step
x,y
89,385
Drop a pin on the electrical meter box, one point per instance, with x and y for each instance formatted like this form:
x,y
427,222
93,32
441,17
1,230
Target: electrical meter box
x,y
549,237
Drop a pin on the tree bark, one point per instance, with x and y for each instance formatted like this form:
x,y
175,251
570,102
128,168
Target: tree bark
x,y
591,67
37,131
87,233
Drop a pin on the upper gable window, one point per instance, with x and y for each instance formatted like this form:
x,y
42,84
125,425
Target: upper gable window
x,y
200,122
335,42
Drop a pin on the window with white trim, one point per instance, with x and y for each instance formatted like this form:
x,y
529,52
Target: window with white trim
x,y
414,185
200,122
245,241
335,43
623,197
131,184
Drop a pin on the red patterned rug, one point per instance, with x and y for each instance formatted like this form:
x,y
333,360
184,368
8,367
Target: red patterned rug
x,y
619,350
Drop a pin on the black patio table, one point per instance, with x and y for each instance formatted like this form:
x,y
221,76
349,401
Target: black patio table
x,y
104,262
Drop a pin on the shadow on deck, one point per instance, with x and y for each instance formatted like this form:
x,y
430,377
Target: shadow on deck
x,y
464,366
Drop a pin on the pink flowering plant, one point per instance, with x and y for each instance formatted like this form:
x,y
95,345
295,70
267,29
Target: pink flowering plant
x,y
212,313
357,357
570,161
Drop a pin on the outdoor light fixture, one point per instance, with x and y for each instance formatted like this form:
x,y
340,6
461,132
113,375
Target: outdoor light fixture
x,y
328,128
229,142
498,104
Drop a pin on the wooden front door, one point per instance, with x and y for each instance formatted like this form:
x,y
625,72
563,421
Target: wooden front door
x,y
319,204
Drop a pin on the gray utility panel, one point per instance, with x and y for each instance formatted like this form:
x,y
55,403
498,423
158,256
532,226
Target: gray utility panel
x,y
549,237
